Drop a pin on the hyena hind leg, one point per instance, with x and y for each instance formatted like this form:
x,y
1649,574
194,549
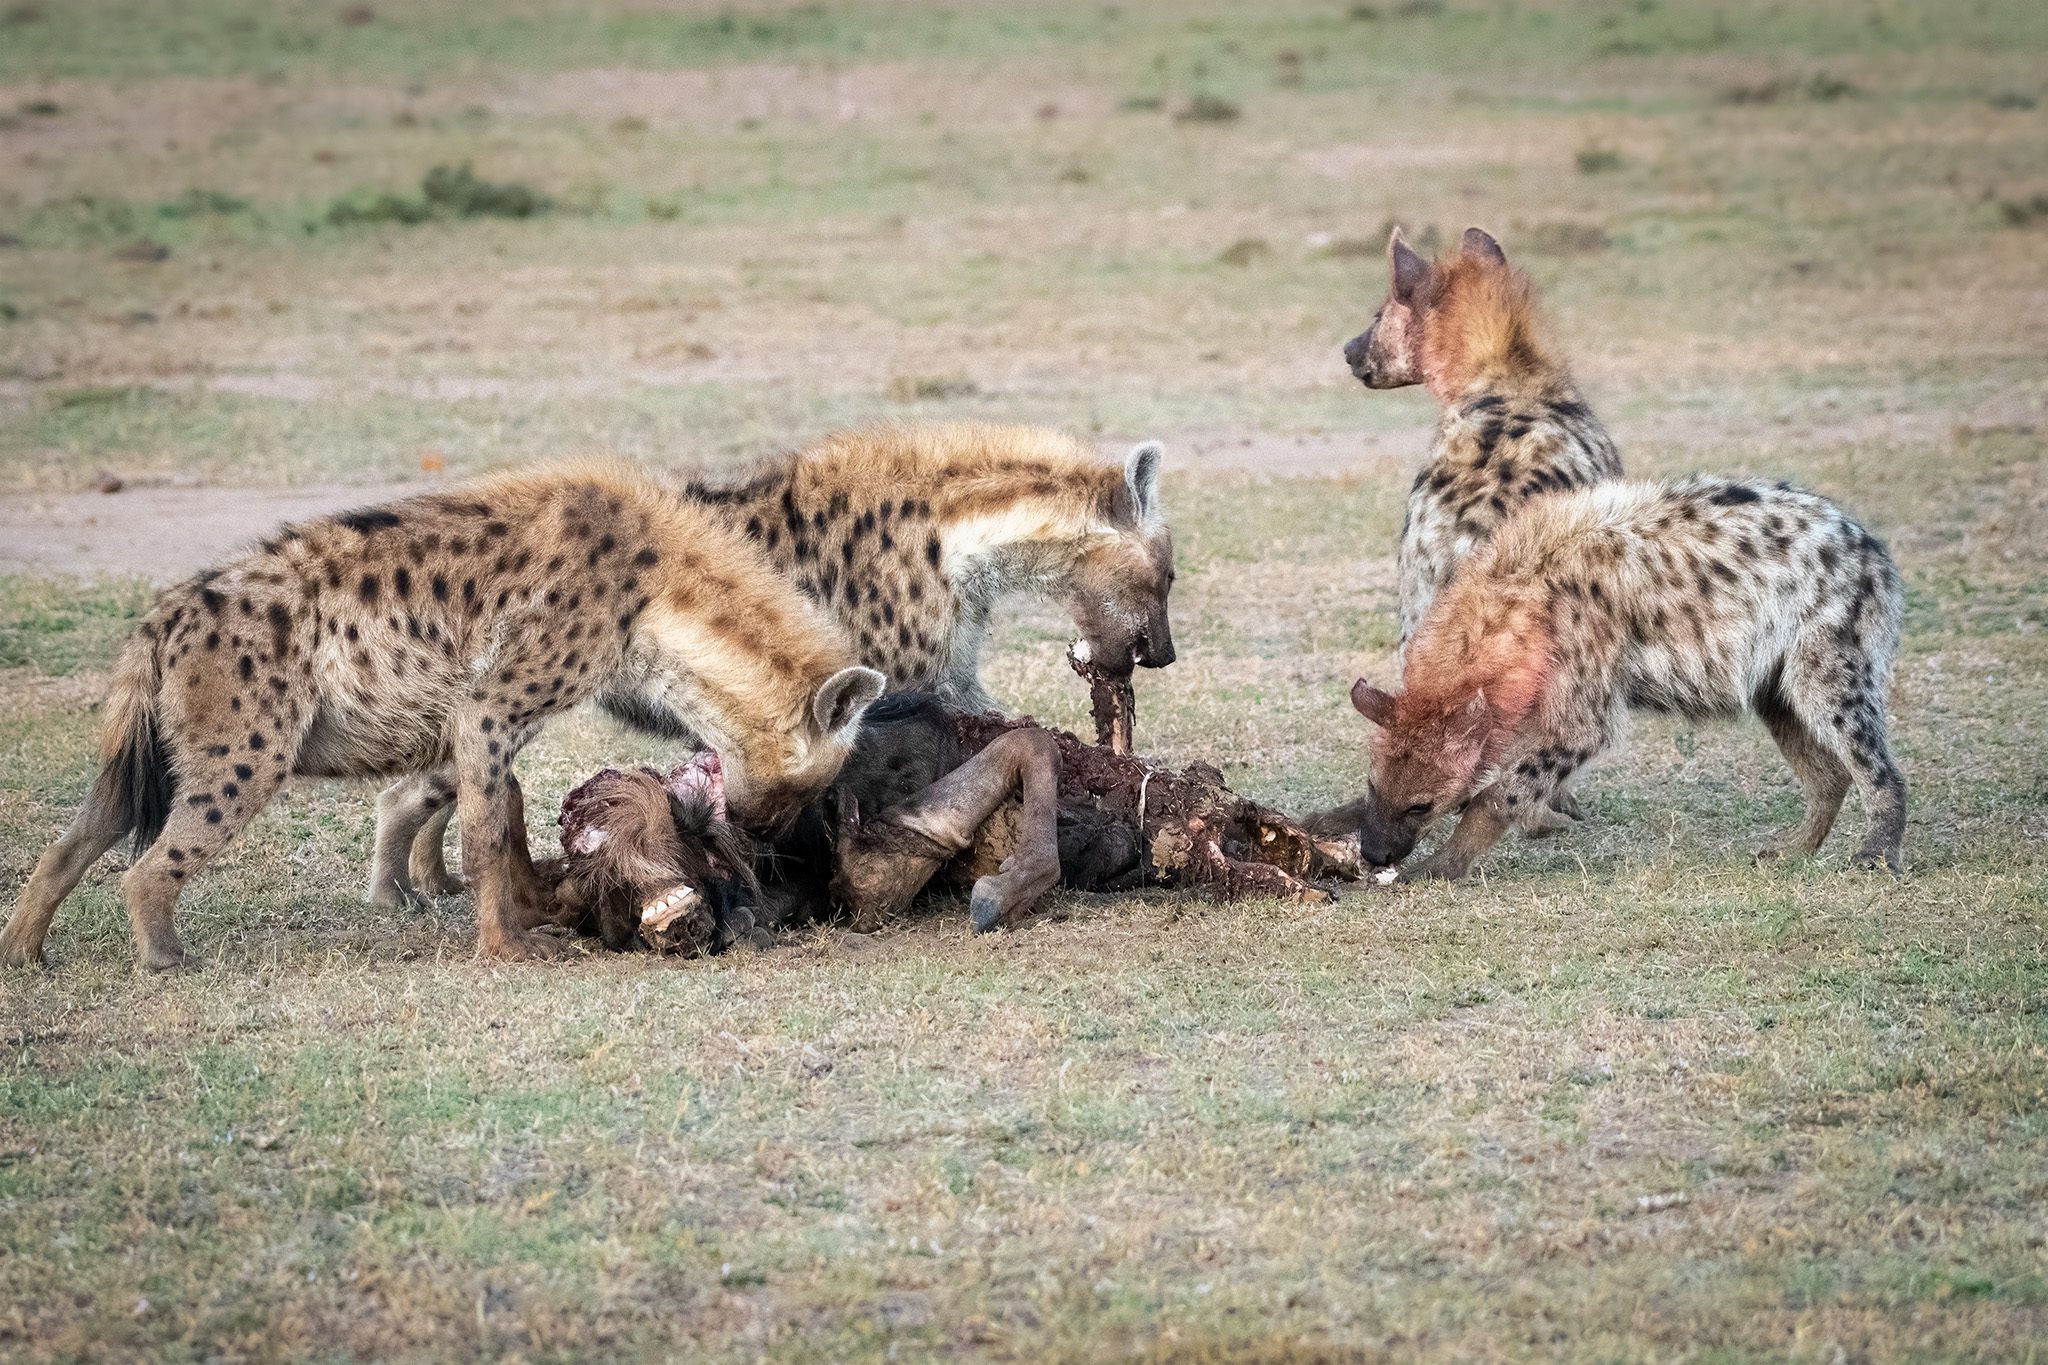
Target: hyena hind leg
x,y
1822,778
216,798
1853,729
429,853
97,827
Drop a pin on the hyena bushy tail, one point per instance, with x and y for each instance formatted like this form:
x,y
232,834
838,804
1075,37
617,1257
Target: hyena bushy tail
x,y
130,798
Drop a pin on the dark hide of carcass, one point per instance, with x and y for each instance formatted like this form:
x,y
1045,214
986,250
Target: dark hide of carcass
x,y
1007,808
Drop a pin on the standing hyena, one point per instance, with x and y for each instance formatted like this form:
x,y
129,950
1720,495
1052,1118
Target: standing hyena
x,y
444,630
1705,597
911,535
1513,425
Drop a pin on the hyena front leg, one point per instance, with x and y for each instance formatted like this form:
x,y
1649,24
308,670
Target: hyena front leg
x,y
487,802
1522,797
429,851
1482,825
411,811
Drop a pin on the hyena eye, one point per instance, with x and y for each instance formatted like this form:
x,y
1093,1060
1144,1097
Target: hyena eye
x,y
1417,812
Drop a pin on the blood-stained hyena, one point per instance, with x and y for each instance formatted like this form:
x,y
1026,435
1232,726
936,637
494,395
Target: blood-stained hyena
x,y
1513,425
912,534
444,630
1705,597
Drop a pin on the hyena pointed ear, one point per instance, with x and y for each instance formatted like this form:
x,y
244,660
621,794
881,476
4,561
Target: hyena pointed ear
x,y
1141,473
843,699
1375,705
1479,242
1408,269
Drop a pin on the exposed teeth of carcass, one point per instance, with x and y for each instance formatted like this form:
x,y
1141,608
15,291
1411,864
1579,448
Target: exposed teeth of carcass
x,y
662,911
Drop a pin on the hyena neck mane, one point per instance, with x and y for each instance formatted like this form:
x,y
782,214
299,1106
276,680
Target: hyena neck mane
x,y
1486,336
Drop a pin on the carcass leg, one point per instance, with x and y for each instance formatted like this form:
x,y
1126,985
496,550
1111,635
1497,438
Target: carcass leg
x,y
880,869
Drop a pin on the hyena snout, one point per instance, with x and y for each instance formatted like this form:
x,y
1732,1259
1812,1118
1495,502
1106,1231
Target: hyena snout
x,y
1381,846
1154,646
1358,355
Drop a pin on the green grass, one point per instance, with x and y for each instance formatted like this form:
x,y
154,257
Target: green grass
x,y
1625,1095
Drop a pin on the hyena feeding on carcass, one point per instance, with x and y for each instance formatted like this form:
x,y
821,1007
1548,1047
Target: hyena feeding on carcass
x,y
911,535
441,632
1513,425
1706,598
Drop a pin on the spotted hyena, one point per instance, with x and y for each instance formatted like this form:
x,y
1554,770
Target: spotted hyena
x,y
444,630
911,534
1706,597
1513,425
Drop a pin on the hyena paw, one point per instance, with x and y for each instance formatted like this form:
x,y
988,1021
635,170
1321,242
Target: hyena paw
x,y
1881,860
545,944
18,955
443,884
1567,805
395,895
158,961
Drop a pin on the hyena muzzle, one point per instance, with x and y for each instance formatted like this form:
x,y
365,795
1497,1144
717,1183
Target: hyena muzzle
x,y
1705,598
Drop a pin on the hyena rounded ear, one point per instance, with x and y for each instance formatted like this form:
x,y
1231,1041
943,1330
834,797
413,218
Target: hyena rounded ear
x,y
1408,269
1141,474
843,699
1375,705
1479,242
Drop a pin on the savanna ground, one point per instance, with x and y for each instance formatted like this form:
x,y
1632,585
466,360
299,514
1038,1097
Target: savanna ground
x,y
1623,1096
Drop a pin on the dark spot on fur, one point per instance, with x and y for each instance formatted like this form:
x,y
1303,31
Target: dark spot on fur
x,y
931,550
646,559
370,519
1734,495
255,739
244,771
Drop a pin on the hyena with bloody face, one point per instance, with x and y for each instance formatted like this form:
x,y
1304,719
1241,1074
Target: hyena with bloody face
x,y
911,535
1705,598
444,630
1513,426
